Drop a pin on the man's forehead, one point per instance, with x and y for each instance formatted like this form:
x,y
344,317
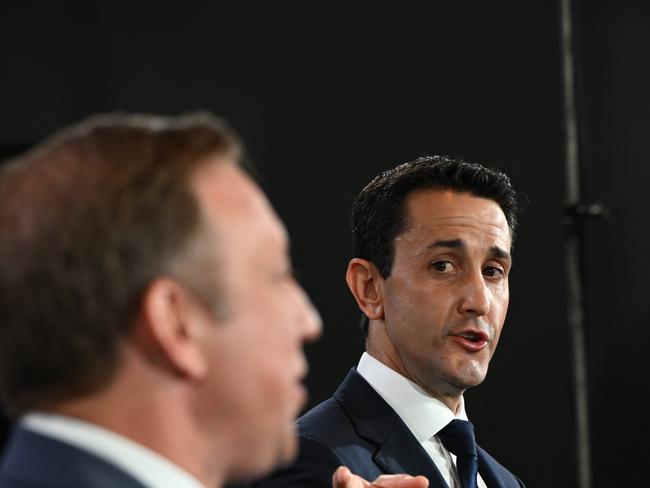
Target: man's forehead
x,y
449,208
222,180
233,202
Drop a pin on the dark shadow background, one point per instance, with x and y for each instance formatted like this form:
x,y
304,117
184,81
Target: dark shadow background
x,y
329,94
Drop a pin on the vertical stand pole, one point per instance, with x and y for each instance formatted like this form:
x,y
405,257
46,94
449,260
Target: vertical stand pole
x,y
572,251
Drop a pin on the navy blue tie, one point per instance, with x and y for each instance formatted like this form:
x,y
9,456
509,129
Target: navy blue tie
x,y
458,437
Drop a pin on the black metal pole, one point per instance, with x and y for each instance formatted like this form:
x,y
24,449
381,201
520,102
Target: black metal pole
x,y
576,210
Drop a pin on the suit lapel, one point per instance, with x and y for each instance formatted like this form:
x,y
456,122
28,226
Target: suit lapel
x,y
494,475
398,451
402,453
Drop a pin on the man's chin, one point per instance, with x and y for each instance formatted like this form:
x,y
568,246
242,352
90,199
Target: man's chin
x,y
286,450
471,378
289,450
259,464
467,374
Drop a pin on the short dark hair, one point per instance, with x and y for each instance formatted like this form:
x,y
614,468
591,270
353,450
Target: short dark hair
x,y
88,219
378,212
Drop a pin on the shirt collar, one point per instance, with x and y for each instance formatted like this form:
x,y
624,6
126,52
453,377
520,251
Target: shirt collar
x,y
423,414
143,464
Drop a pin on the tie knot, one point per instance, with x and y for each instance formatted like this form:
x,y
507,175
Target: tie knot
x,y
458,437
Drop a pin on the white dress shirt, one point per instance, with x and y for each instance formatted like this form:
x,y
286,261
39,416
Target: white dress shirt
x,y
141,463
423,414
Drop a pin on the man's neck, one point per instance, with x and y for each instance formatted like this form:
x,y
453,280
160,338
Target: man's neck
x,y
158,417
447,394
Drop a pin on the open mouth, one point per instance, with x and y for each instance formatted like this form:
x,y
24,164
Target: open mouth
x,y
474,336
472,340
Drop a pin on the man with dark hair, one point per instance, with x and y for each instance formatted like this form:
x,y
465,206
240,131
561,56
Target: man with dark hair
x,y
151,331
431,243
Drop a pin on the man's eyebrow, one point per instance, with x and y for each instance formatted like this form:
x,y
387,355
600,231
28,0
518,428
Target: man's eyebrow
x,y
495,251
452,243
500,253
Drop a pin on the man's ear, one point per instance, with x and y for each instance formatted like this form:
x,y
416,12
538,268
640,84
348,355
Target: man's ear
x,y
365,282
172,325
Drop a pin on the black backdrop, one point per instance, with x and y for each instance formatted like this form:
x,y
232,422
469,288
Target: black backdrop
x,y
327,95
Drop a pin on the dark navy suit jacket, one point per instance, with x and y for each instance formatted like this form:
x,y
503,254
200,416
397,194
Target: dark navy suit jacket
x,y
31,460
358,429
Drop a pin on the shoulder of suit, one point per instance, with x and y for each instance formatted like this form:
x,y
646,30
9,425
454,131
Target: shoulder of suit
x,y
326,422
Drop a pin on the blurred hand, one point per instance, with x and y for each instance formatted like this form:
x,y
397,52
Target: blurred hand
x,y
343,478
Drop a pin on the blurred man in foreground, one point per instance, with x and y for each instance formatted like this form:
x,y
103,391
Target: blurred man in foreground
x,y
151,328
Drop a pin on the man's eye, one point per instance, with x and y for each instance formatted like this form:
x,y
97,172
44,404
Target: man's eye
x,y
441,266
493,271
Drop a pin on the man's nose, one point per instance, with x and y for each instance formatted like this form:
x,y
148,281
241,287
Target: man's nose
x,y
309,318
475,295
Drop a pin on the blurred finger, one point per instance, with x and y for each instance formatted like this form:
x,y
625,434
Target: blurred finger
x,y
400,481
